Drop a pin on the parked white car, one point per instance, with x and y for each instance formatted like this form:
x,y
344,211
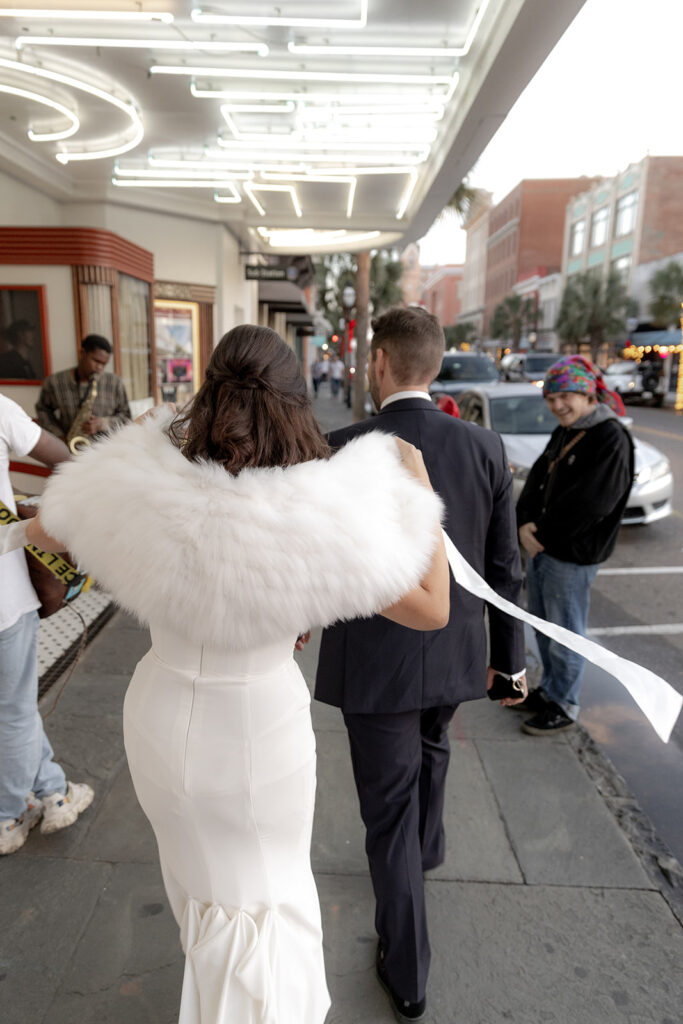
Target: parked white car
x,y
518,412
636,381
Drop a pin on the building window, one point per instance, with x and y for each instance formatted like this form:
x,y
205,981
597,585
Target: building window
x,y
134,339
622,267
577,237
599,227
626,214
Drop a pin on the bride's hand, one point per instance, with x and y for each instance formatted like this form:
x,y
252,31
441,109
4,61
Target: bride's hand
x,y
411,457
150,412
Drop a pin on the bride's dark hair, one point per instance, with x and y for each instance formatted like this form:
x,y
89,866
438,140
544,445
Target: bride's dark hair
x,y
253,408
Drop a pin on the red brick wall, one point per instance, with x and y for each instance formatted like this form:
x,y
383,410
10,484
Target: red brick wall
x,y
536,241
443,298
663,212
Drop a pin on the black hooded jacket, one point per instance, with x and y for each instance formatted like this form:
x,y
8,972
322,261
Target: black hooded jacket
x,y
577,504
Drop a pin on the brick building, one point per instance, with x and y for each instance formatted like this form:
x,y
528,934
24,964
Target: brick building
x,y
442,293
625,222
526,232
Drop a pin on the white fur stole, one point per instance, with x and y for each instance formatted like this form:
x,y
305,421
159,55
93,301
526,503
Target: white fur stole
x,y
238,561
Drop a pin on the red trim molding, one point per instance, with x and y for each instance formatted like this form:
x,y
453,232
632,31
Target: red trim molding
x,y
30,468
74,247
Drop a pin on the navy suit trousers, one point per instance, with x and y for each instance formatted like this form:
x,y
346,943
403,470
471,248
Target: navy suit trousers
x,y
400,763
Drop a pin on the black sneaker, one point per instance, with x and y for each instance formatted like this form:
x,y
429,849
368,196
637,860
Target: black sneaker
x,y
549,721
534,702
404,1011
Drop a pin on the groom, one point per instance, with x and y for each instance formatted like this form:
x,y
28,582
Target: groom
x,y
398,688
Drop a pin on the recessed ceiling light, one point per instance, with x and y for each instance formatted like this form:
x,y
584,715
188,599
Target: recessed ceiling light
x,y
208,17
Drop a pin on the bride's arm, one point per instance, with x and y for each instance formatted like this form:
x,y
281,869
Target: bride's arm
x,y
428,605
35,534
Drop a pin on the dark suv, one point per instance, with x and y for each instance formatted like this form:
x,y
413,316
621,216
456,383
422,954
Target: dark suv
x,y
460,370
530,366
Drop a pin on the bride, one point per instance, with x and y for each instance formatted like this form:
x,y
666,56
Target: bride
x,y
214,528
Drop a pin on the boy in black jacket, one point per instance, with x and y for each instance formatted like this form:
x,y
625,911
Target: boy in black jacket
x,y
568,517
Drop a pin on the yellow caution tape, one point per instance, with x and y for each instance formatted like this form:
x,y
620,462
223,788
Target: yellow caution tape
x,y
58,566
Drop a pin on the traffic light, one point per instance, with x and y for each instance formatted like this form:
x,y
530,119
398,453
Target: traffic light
x,y
334,339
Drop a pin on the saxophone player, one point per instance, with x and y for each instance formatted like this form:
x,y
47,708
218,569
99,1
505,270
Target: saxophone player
x,y
66,395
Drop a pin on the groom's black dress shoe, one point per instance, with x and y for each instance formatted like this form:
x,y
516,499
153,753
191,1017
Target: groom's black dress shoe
x,y
404,1011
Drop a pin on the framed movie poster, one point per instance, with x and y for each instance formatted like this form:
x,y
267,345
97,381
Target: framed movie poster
x,y
24,345
176,326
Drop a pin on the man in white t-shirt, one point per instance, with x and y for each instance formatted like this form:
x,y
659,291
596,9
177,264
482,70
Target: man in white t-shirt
x,y
32,785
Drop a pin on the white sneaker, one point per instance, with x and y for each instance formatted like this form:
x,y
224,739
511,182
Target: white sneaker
x,y
14,831
61,809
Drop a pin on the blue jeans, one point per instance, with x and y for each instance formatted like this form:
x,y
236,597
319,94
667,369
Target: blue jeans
x,y
25,753
560,592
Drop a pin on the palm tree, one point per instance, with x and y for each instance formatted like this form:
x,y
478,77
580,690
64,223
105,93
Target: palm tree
x,y
593,310
666,288
385,281
459,335
335,272
462,200
512,318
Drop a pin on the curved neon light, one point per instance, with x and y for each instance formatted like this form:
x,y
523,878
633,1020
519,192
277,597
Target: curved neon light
x,y
75,83
38,98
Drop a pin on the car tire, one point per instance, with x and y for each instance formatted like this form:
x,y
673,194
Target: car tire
x,y
650,382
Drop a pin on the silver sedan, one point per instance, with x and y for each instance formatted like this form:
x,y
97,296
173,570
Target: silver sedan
x,y
524,421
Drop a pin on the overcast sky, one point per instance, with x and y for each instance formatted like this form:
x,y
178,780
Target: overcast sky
x,y
609,93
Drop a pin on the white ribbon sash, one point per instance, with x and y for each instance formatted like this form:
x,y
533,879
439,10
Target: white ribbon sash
x,y
656,698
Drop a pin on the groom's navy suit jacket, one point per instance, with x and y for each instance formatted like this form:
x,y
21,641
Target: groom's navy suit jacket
x,y
374,666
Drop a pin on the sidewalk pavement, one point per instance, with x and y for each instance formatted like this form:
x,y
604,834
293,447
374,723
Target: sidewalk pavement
x,y
546,911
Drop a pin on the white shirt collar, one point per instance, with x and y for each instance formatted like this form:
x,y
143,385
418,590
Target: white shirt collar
x,y
400,395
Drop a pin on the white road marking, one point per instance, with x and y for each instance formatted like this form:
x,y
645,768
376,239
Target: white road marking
x,y
653,570
665,629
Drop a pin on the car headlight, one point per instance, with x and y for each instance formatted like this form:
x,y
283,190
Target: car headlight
x,y
649,473
631,385
660,469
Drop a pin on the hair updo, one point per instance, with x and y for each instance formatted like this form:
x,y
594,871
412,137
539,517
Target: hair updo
x,y
253,408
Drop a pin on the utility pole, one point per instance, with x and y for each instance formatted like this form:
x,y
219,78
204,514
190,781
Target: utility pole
x,y
362,315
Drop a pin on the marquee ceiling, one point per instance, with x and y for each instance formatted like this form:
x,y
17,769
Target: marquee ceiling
x,y
307,125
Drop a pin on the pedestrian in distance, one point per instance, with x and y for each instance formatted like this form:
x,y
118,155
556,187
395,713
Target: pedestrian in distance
x,y
336,375
230,562
397,689
569,514
33,787
316,375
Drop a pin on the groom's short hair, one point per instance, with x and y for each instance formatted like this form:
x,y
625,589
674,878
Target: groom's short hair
x,y
413,340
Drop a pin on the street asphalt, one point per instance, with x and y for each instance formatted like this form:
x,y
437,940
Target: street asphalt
x,y
557,903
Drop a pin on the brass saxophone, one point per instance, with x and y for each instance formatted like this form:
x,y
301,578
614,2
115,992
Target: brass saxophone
x,y
76,441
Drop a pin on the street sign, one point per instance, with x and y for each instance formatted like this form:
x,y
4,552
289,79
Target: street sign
x,y
269,273
265,273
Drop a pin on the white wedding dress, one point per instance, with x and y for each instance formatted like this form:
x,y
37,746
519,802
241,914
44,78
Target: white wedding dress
x,y
222,755
227,570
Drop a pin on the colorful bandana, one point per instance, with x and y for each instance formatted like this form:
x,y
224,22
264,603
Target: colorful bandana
x,y
575,373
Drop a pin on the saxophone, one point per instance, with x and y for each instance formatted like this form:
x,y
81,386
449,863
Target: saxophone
x,y
75,440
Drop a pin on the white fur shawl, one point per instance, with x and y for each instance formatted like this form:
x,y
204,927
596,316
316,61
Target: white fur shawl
x,y
241,561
